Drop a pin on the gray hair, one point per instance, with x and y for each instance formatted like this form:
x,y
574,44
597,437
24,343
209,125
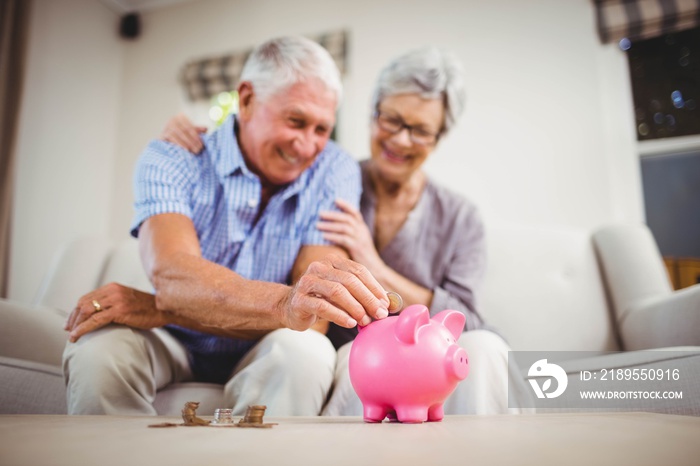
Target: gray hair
x,y
285,61
430,72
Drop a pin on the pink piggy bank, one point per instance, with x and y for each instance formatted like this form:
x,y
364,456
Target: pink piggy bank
x,y
404,367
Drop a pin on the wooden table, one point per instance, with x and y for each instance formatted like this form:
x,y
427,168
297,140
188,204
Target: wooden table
x,y
542,439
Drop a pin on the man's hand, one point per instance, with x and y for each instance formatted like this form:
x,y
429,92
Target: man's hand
x,y
335,289
118,304
180,130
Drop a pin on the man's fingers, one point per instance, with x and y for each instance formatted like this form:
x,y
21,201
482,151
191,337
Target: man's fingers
x,y
332,314
71,318
331,288
338,290
69,321
96,321
364,276
80,312
83,310
76,317
321,309
359,283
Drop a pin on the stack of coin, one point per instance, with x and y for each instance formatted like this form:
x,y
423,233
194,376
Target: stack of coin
x,y
223,416
254,414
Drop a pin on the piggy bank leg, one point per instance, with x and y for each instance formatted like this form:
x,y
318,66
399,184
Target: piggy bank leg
x,y
391,416
374,413
412,414
436,413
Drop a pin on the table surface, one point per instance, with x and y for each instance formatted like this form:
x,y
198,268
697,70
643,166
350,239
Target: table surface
x,y
541,439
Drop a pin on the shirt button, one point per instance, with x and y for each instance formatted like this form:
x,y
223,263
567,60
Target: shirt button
x,y
252,202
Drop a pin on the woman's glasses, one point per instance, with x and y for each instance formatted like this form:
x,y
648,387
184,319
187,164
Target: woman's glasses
x,y
393,125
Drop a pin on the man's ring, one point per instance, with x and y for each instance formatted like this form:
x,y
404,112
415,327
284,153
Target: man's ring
x,y
96,305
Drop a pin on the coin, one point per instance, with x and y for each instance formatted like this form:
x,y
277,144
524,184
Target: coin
x,y
395,301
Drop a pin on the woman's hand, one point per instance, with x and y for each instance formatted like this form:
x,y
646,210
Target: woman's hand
x,y
348,230
180,130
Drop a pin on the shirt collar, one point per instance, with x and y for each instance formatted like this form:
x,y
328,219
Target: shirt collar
x,y
223,148
295,186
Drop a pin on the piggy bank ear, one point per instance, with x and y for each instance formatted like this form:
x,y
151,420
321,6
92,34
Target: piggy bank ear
x,y
453,320
410,320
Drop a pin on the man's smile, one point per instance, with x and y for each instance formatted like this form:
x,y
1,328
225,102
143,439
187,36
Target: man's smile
x,y
289,158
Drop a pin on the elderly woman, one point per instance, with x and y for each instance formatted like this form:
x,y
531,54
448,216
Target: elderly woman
x,y
417,238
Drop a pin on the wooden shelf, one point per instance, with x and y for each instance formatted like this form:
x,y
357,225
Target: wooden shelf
x,y
683,271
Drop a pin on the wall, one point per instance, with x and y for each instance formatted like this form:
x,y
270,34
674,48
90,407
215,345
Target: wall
x,y
67,135
547,137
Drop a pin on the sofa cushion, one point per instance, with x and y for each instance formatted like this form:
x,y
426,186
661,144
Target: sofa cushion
x,y
28,387
32,333
543,290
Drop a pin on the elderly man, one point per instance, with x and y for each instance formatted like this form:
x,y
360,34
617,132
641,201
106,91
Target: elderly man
x,y
222,235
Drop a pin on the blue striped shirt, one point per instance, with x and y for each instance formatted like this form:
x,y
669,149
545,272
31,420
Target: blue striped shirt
x,y
221,195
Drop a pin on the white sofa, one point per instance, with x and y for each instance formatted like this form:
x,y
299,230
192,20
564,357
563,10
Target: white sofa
x,y
555,289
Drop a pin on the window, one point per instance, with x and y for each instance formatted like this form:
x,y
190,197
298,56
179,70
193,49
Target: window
x,y
665,75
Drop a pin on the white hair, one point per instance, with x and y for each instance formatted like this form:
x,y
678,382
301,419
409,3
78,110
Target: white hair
x,y
285,61
430,72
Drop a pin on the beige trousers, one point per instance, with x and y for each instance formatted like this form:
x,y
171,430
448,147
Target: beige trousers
x,y
118,370
484,391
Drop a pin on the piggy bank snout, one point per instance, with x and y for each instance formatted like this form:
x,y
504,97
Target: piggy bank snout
x,y
457,362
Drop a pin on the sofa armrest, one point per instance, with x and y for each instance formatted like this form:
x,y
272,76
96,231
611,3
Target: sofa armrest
x,y
632,266
31,333
663,321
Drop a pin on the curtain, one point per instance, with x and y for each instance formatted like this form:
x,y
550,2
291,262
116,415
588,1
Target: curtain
x,y
207,77
644,19
14,25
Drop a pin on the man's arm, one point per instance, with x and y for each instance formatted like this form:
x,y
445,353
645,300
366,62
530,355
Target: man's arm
x,y
123,305
335,288
199,294
193,288
190,291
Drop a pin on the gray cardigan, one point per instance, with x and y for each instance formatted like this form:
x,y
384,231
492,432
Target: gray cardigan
x,y
441,246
